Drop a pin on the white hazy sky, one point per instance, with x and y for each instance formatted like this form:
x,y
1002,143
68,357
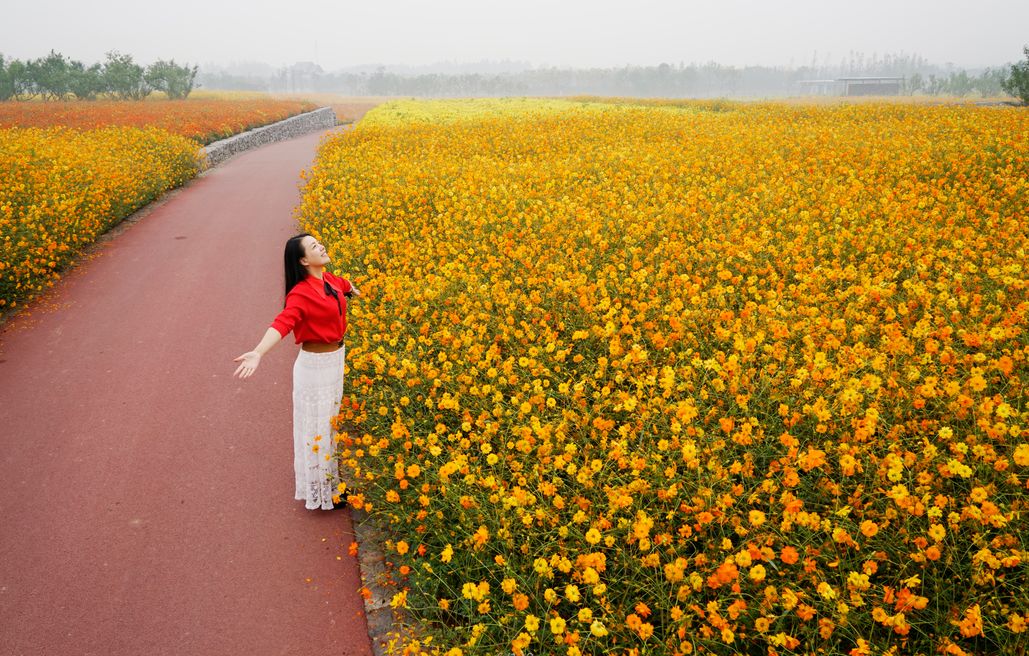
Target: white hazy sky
x,y
601,33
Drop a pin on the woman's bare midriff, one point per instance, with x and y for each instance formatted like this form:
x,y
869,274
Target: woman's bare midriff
x,y
319,347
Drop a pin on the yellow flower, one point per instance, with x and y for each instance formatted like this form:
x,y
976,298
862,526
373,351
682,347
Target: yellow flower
x,y
557,625
848,464
475,591
1021,456
958,468
399,600
590,576
857,581
532,623
1017,623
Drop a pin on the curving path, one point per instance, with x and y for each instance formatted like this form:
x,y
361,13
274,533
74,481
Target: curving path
x,y
146,495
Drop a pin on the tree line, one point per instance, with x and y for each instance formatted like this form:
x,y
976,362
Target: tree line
x,y
665,80
56,77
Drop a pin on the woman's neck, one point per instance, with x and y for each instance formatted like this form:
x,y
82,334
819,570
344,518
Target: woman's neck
x,y
315,272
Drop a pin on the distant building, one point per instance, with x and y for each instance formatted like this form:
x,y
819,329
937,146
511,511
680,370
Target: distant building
x,y
852,86
819,87
872,86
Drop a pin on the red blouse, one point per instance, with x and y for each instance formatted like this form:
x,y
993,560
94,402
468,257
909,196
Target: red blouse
x,y
311,313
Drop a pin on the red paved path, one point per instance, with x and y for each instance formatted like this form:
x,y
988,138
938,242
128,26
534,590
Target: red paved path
x,y
146,495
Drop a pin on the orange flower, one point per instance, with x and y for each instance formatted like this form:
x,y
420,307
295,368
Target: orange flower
x,y
520,601
480,537
789,555
972,623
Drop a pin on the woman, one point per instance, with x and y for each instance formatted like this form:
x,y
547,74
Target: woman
x,y
316,312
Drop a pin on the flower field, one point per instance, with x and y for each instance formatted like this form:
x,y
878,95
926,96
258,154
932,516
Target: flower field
x,y
62,188
205,120
710,378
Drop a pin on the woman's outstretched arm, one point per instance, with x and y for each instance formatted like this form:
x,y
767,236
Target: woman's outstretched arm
x,y
251,359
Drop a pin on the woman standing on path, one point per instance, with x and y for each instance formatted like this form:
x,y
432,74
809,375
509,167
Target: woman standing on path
x,y
316,312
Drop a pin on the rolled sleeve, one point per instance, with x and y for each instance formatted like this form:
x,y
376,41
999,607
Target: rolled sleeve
x,y
289,317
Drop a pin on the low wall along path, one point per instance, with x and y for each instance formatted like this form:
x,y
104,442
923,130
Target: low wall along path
x,y
319,119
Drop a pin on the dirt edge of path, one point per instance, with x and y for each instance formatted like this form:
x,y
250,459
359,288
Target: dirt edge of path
x,y
388,628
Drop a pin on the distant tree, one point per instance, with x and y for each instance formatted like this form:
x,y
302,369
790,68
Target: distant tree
x,y
915,83
85,83
959,84
6,83
21,81
50,76
934,85
989,83
380,83
123,78
1017,82
174,80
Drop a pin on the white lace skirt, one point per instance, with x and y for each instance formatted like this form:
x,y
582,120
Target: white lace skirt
x,y
317,391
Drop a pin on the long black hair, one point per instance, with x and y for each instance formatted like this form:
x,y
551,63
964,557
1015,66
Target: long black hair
x,y
295,271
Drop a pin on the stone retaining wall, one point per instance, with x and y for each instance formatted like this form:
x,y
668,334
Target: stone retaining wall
x,y
319,119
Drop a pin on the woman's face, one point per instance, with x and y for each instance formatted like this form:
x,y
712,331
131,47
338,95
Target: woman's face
x,y
314,253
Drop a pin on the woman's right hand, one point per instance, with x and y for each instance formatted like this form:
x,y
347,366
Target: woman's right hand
x,y
249,360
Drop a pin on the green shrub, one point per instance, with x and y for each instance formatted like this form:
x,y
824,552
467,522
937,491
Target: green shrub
x,y
1017,84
